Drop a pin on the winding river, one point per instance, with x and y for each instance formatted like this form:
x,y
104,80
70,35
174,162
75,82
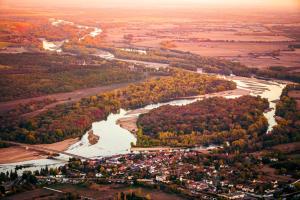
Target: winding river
x,y
57,45
116,140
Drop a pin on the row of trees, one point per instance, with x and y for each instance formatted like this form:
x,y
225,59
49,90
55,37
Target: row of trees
x,y
189,61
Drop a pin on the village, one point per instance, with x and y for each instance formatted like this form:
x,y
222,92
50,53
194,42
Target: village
x,y
189,173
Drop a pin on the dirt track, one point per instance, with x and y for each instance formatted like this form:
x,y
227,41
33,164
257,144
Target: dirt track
x,y
61,97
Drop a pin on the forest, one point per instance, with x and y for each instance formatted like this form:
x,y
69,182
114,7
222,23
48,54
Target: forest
x,y
288,119
35,74
74,119
210,121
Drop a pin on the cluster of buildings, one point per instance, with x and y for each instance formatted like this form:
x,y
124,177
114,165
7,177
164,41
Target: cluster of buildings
x,y
189,172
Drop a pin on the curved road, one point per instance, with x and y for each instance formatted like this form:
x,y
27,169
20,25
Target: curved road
x,y
62,97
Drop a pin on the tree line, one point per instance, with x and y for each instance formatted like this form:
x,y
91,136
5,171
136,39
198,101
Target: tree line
x,y
190,61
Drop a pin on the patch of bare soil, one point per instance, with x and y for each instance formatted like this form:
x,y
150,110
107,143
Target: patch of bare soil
x,y
108,192
18,154
128,123
39,193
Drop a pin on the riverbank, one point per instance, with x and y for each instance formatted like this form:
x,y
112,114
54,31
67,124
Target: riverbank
x,y
129,123
15,154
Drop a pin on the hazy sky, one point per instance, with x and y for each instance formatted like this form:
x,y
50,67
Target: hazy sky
x,y
279,4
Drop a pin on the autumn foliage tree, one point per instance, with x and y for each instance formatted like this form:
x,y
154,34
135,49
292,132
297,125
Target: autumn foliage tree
x,y
214,120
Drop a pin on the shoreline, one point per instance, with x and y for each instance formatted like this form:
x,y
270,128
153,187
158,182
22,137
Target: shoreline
x,y
15,154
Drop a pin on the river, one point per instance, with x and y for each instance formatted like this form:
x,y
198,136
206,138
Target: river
x,y
116,140
57,45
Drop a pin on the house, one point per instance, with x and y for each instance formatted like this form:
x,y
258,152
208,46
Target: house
x,y
161,178
201,186
233,195
199,70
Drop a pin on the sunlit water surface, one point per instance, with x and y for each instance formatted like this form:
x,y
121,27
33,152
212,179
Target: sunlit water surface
x,y
115,140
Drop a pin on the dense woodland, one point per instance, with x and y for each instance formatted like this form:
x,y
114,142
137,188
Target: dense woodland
x,y
210,121
35,74
74,119
288,119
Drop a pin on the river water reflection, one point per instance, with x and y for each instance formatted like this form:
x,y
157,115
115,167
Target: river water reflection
x,y
115,140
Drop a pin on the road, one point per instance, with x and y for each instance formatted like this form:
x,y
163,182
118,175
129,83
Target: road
x,y
76,95
145,63
153,149
62,97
